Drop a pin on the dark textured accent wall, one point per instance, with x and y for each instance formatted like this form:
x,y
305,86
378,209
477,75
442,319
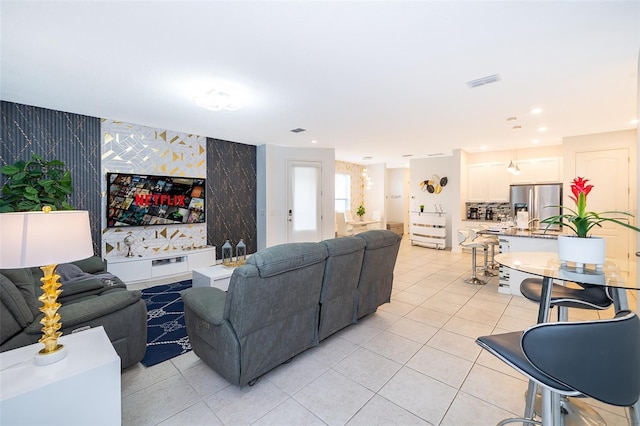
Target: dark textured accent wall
x,y
71,138
231,194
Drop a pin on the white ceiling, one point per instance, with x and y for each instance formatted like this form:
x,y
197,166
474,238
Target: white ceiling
x,y
378,79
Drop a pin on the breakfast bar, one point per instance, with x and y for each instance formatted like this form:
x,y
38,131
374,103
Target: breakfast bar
x,y
513,240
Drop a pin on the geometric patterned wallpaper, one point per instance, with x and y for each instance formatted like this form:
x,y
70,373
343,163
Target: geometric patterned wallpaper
x,y
133,148
73,139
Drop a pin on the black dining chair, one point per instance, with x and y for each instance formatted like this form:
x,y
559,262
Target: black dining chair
x,y
597,359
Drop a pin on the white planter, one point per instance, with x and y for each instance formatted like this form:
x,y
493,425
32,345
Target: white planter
x,y
582,251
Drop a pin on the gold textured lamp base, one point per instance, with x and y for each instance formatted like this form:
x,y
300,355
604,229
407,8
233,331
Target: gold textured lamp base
x,y
52,351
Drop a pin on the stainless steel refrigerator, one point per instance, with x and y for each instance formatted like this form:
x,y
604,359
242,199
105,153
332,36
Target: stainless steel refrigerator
x,y
534,199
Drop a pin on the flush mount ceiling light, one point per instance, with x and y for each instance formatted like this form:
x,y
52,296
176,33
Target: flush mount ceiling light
x,y
217,100
536,110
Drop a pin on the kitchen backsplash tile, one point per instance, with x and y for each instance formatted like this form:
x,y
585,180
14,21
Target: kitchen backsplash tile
x,y
487,211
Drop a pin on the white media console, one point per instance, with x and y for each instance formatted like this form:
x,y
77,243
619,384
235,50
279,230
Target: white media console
x,y
143,268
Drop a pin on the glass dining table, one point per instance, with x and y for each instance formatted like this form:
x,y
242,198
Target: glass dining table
x,y
548,266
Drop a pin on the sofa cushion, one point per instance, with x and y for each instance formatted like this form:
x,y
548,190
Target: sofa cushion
x,y
91,265
13,302
206,302
343,246
287,257
29,287
377,239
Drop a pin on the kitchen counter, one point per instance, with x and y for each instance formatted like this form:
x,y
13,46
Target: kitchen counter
x,y
528,233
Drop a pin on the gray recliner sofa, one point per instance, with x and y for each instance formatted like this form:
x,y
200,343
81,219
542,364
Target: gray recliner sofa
x,y
268,314
86,302
286,299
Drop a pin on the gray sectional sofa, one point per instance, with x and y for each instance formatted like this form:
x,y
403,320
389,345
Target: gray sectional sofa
x,y
86,302
288,298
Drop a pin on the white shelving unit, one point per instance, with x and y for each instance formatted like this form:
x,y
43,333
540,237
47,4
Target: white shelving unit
x,y
136,269
428,229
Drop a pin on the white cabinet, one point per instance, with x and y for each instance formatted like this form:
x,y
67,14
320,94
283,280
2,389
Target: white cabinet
x,y
428,229
488,183
134,269
543,170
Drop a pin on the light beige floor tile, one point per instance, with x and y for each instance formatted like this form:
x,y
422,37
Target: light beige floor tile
x,y
434,305
204,380
332,350
410,298
158,402
479,315
489,305
397,307
139,377
393,347
289,413
421,395
429,317
380,319
197,415
441,366
523,313
368,368
301,371
499,389
235,406
333,397
510,323
379,411
471,411
493,362
414,330
467,328
446,298
455,344
423,291
359,333
186,361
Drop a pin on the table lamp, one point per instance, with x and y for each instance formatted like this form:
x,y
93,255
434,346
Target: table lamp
x,y
34,239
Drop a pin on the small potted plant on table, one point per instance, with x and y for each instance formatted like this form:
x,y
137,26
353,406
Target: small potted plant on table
x,y
361,211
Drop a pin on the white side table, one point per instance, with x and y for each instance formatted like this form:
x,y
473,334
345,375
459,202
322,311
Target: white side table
x,y
81,389
217,276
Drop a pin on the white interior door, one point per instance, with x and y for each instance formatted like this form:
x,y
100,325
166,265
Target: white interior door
x,y
304,214
608,171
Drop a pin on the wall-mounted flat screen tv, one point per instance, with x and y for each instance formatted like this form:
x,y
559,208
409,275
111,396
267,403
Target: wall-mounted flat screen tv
x,y
142,200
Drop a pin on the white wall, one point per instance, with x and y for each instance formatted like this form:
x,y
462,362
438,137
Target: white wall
x,y
271,200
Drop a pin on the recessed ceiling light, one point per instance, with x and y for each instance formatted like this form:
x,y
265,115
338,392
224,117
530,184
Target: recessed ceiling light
x,y
536,110
542,129
298,130
634,122
314,141
535,141
483,147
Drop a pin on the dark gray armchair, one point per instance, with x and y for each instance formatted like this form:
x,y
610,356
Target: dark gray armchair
x,y
268,315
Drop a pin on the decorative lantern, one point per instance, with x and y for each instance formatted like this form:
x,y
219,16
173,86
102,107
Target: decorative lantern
x,y
226,253
241,251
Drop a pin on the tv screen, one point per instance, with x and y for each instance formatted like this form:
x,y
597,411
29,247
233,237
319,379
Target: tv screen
x,y
142,200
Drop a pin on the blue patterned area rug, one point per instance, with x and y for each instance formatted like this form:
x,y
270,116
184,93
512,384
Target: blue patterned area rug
x,y
166,329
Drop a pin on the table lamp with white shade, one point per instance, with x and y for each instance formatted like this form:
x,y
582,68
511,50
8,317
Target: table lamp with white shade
x,y
45,239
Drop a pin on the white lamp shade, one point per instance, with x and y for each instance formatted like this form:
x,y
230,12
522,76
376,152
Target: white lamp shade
x,y
29,239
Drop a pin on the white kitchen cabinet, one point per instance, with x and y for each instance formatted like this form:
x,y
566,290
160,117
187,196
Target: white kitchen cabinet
x,y
488,183
543,170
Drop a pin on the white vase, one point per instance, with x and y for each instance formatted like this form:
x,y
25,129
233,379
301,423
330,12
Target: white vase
x,y
582,251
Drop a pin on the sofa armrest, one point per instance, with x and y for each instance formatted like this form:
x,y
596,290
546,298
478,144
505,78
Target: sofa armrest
x,y
207,302
78,313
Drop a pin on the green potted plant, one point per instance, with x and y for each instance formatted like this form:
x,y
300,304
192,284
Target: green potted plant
x,y
361,211
31,185
421,208
581,247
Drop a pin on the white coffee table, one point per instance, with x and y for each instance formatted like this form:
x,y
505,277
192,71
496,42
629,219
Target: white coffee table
x,y
212,276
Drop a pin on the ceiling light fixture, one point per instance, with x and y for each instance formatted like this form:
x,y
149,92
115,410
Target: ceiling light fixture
x,y
542,129
314,141
536,110
511,167
516,171
517,127
298,130
217,100
512,118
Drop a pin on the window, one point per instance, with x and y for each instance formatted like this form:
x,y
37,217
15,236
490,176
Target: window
x,y
343,193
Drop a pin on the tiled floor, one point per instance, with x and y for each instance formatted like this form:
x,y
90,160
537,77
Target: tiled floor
x,y
414,362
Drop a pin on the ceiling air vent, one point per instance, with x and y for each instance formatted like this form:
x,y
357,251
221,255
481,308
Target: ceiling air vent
x,y
483,81
298,130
